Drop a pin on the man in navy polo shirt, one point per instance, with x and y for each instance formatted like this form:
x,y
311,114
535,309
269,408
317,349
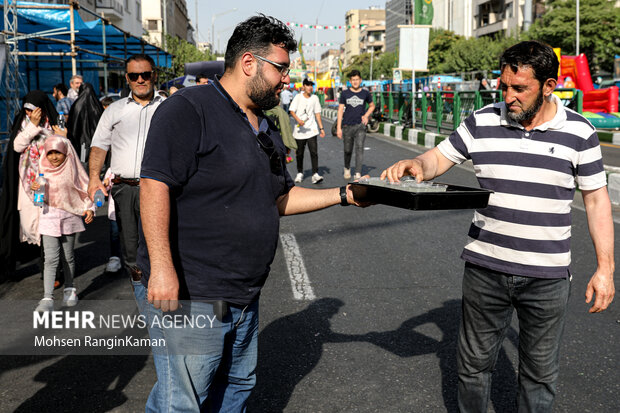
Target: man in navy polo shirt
x,y
351,122
531,151
213,186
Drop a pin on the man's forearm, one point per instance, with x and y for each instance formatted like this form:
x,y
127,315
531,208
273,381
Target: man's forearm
x,y
95,162
371,108
339,118
319,121
301,200
601,227
155,216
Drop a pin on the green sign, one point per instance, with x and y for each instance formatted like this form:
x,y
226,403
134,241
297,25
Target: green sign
x,y
424,12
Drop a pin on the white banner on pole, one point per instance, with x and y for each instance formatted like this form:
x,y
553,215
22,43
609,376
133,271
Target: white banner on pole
x,y
413,42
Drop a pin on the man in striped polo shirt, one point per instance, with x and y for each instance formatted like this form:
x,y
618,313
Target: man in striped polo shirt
x,y
531,151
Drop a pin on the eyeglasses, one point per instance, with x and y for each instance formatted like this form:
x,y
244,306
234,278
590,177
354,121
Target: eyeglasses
x,y
266,144
145,75
284,70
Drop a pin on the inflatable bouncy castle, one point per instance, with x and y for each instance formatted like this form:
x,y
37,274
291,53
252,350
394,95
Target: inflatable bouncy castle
x,y
600,106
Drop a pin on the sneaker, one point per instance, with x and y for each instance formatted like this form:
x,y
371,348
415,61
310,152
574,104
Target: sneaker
x,y
347,173
299,177
114,264
69,298
45,305
358,175
316,178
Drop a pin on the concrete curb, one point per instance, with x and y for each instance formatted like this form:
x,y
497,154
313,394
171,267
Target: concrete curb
x,y
432,139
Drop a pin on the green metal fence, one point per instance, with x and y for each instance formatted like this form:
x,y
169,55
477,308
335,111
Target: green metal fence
x,y
443,111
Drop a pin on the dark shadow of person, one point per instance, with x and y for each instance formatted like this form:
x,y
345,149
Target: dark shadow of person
x,y
84,383
289,348
406,342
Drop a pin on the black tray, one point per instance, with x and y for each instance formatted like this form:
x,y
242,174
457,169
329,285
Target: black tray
x,y
454,197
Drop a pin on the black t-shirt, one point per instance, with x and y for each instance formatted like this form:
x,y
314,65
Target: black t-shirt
x,y
355,105
224,220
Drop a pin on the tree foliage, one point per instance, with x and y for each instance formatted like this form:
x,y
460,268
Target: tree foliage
x,y
184,52
599,34
382,64
472,54
439,44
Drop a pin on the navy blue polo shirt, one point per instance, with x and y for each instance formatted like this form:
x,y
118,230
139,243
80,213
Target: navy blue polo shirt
x,y
355,105
223,187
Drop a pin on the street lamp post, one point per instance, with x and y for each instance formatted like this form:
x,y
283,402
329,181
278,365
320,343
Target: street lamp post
x,y
213,17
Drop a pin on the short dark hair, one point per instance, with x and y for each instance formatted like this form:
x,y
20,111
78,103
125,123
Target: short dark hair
x,y
107,101
62,88
200,77
142,57
539,56
354,72
256,35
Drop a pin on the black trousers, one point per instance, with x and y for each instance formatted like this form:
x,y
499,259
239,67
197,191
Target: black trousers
x,y
127,208
314,155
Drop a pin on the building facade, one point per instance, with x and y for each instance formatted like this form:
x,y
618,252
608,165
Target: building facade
x,y
397,12
456,16
372,18
125,14
177,21
329,63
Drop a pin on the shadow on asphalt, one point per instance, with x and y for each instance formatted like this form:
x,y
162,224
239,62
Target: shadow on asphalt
x,y
78,383
291,347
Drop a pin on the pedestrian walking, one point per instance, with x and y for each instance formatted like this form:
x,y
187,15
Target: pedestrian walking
x,y
285,98
20,218
214,182
66,201
74,86
531,151
122,130
306,110
351,122
63,103
83,120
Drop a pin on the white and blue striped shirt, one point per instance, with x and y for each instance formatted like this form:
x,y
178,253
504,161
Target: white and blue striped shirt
x,y
526,228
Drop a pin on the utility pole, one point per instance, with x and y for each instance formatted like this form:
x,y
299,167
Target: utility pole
x,y
577,39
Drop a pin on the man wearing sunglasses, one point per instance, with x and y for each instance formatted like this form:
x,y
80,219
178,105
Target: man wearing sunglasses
x,y
122,130
214,183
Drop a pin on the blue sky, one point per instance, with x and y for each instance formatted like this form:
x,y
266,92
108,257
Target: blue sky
x,y
328,13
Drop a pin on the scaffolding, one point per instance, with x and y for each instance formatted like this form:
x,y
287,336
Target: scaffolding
x,y
115,49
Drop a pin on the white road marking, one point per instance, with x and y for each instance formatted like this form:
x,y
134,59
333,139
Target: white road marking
x,y
302,290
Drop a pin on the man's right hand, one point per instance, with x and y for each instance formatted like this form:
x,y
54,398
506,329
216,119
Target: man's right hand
x,y
163,289
93,186
411,167
339,133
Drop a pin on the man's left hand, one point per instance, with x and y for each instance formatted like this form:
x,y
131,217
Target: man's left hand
x,y
365,120
601,286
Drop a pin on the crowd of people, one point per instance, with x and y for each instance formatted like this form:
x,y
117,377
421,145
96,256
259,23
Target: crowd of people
x,y
159,159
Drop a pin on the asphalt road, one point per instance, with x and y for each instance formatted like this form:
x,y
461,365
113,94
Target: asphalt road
x,y
379,336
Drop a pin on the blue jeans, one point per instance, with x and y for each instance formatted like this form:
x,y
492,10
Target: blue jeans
x,y
489,298
186,367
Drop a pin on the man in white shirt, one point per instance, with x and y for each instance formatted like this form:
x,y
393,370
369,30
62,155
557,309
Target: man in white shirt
x,y
75,83
285,98
306,110
123,129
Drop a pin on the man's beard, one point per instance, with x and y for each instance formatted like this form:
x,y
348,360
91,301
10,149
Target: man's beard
x,y
528,113
147,94
263,95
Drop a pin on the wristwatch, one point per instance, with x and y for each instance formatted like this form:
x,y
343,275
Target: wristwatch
x,y
343,196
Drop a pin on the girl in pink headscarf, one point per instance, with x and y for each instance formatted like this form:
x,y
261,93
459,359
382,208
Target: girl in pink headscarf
x,y
61,218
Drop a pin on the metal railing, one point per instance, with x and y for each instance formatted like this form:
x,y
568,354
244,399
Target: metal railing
x,y
443,111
